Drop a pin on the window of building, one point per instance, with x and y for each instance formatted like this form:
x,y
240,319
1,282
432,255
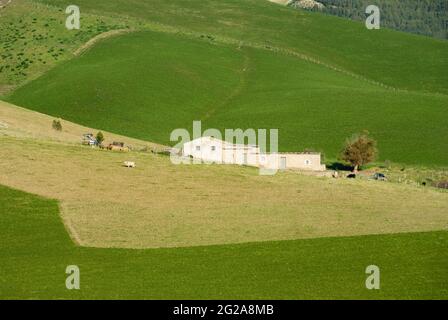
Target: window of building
x,y
198,148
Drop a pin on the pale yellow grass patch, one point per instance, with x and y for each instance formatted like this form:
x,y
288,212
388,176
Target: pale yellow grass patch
x,y
159,204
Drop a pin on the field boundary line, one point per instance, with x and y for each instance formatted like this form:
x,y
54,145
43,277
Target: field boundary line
x,y
73,234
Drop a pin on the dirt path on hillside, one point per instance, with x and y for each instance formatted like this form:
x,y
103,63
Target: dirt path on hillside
x,y
98,38
244,74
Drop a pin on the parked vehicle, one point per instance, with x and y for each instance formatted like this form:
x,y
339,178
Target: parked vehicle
x,y
89,139
379,176
351,176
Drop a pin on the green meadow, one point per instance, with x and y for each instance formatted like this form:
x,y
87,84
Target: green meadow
x,y
394,58
36,249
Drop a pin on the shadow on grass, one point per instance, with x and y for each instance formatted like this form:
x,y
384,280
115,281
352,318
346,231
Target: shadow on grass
x,y
339,166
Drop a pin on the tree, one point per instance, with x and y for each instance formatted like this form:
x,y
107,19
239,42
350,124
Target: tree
x,y
359,150
56,125
99,137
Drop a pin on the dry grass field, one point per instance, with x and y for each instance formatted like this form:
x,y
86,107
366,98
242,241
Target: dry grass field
x,y
159,204
23,123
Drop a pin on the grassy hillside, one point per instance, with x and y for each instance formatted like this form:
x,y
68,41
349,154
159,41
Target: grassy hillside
x,y
33,264
23,123
396,59
161,231
34,39
183,78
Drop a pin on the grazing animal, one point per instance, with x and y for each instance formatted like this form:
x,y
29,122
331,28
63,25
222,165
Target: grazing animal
x,y
129,164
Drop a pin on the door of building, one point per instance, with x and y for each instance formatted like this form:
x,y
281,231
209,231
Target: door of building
x,y
282,163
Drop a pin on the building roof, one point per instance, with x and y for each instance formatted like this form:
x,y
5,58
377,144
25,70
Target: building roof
x,y
248,146
225,142
303,152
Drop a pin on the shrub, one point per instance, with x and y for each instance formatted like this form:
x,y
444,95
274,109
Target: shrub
x,y
100,137
57,125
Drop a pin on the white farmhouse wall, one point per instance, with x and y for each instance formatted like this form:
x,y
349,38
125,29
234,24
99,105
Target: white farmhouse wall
x,y
211,150
300,161
240,154
303,161
207,149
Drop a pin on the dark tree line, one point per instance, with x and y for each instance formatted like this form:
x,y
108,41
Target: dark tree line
x,y
425,17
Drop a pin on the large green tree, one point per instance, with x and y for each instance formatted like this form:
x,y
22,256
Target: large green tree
x,y
359,150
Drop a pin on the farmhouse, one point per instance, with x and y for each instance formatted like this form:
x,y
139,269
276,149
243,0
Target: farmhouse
x,y
212,150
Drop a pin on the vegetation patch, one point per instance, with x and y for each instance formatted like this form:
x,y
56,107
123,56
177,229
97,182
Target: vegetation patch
x,y
34,39
416,16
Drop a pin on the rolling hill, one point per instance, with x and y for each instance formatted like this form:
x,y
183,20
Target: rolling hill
x,y
251,64
139,69
34,39
35,251
159,204
396,59
166,205
146,84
